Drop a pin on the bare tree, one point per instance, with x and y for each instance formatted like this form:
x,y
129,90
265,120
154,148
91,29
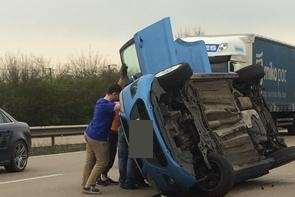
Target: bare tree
x,y
189,32
22,67
89,63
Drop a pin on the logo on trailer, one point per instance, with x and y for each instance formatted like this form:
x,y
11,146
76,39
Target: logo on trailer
x,y
272,72
212,47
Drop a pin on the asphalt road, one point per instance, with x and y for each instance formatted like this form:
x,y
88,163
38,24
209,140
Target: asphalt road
x,y
60,175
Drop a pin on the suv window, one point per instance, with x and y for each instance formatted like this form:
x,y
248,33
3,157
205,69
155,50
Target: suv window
x,y
130,59
3,118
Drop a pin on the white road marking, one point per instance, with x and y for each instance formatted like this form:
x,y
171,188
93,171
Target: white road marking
x,y
57,154
29,179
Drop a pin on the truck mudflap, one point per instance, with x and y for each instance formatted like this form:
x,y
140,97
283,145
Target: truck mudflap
x,y
283,156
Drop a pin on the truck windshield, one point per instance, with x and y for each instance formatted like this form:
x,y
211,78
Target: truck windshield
x,y
219,64
220,67
238,65
130,59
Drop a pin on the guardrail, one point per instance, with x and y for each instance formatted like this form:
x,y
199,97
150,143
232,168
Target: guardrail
x,y
57,131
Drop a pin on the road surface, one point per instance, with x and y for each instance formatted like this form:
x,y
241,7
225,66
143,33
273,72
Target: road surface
x,y
60,175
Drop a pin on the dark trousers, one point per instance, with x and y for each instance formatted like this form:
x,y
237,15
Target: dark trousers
x,y
129,173
126,165
112,154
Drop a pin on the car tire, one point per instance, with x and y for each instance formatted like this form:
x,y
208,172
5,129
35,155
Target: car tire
x,y
291,129
250,74
175,79
19,158
219,180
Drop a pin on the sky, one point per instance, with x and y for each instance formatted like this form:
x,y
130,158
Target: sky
x,y
58,29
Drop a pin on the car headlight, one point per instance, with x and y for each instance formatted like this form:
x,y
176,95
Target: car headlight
x,y
121,101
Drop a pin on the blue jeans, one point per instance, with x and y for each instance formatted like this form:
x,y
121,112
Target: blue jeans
x,y
126,165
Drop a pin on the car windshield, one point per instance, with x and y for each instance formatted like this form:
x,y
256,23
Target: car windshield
x,y
130,59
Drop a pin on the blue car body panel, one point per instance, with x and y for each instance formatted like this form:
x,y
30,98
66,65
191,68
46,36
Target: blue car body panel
x,y
193,53
157,50
171,175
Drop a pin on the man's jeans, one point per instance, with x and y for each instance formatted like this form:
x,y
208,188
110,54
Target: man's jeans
x,y
126,165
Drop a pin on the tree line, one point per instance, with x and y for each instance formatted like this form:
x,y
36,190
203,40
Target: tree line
x,y
39,93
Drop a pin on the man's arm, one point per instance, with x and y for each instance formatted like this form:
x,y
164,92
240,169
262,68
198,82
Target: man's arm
x,y
117,106
123,80
109,107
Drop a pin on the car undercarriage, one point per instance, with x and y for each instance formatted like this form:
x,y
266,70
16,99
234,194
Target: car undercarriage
x,y
211,121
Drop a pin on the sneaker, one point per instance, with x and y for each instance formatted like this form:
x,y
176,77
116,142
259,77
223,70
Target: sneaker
x,y
143,184
111,181
102,183
91,190
129,186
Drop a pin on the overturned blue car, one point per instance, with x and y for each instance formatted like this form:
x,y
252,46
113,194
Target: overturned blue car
x,y
210,130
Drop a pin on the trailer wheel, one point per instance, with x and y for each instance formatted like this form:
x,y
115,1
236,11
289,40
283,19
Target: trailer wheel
x,y
218,180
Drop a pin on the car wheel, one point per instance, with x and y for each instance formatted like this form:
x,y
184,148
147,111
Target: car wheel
x,y
218,180
291,129
250,75
19,157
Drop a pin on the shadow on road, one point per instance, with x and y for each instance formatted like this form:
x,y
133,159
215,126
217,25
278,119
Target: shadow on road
x,y
246,186
262,184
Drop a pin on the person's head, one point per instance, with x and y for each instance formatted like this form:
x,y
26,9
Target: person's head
x,y
113,92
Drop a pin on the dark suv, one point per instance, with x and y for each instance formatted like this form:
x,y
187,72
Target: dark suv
x,y
15,143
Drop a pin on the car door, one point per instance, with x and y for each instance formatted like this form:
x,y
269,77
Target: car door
x,y
157,50
5,133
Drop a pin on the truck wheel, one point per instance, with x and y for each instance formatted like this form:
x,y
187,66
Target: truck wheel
x,y
218,180
174,77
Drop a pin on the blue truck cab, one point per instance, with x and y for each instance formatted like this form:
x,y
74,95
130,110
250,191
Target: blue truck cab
x,y
210,130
